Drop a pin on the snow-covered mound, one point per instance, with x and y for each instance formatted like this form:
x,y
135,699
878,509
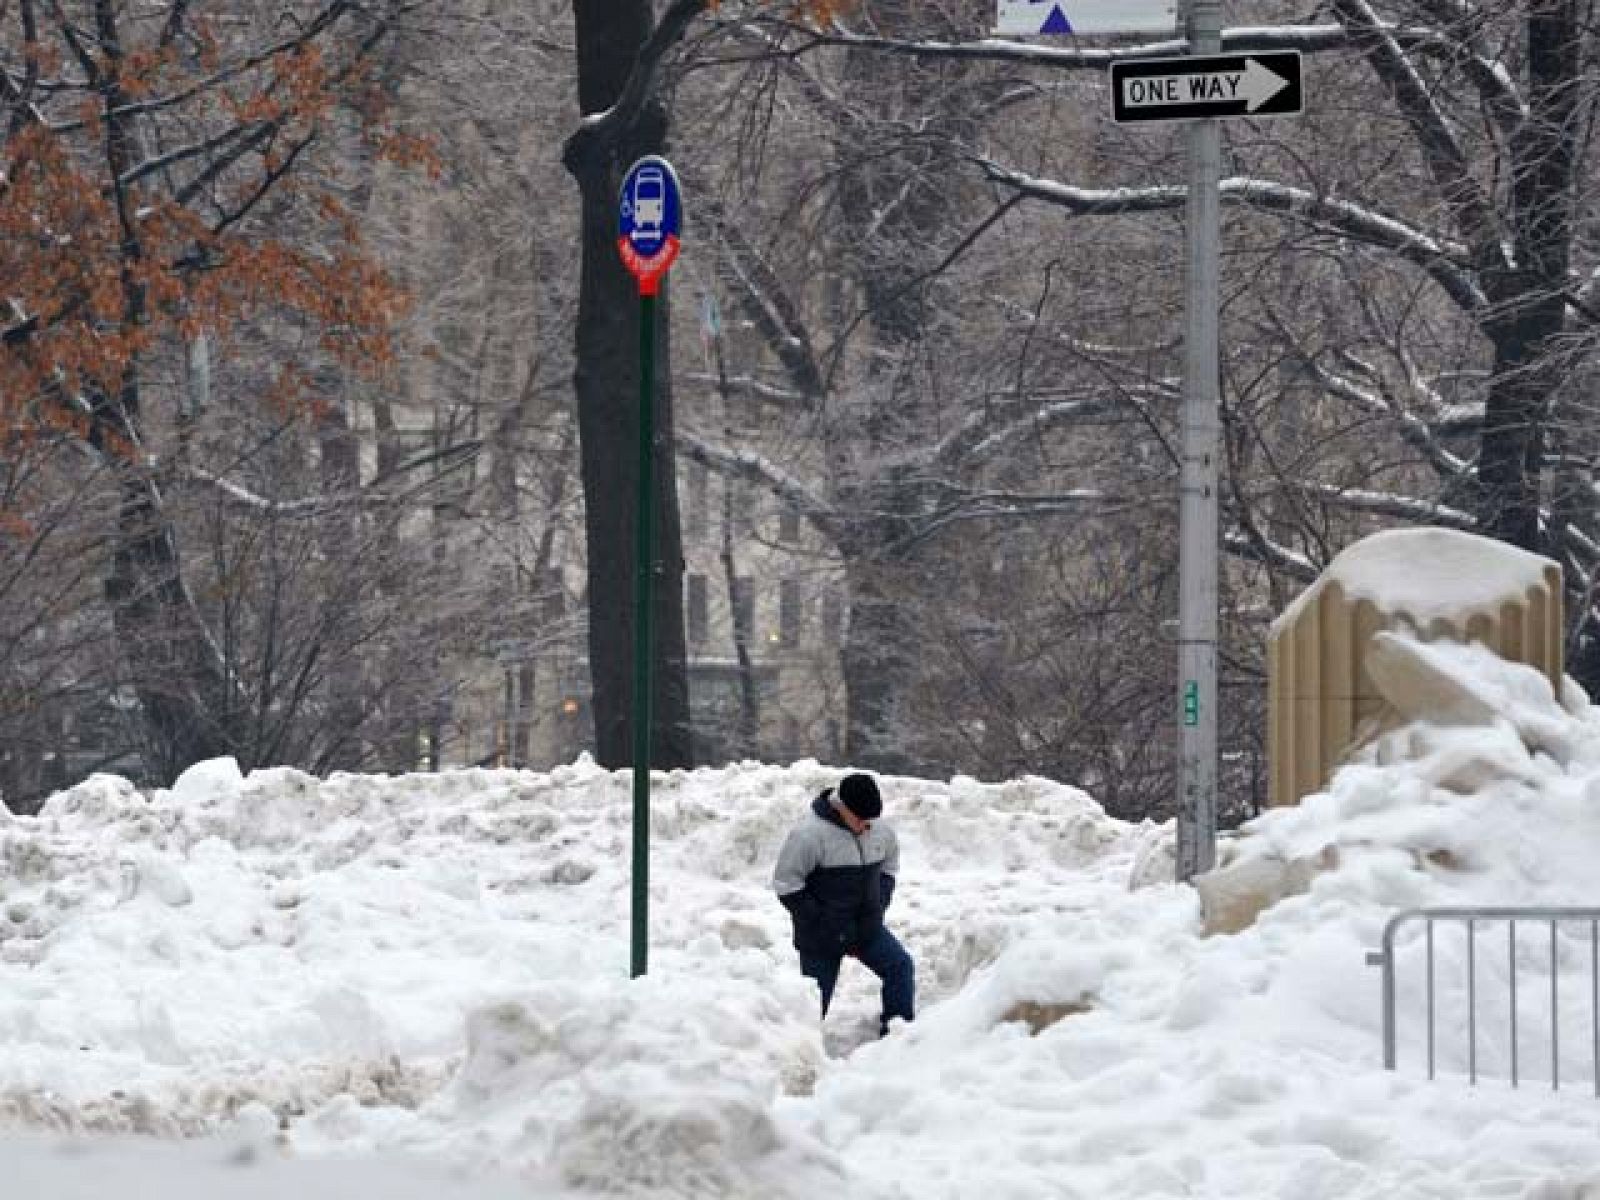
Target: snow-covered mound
x,y
436,967
439,963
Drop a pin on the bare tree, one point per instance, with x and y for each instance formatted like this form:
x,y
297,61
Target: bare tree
x,y
150,149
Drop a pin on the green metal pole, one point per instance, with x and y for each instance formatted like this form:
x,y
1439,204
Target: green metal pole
x,y
643,575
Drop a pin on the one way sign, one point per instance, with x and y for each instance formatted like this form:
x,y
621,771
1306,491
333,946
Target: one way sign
x,y
1219,85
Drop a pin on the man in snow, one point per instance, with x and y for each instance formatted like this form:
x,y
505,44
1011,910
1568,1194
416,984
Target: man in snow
x,y
835,875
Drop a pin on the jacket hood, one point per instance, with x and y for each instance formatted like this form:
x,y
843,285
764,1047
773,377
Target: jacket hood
x,y
822,806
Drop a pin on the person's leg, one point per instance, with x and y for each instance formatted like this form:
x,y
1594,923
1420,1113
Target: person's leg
x,y
886,958
824,969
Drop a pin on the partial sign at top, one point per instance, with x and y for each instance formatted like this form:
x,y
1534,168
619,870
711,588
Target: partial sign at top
x,y
1029,18
649,217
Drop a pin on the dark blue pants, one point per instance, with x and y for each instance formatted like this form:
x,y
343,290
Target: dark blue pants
x,y
886,958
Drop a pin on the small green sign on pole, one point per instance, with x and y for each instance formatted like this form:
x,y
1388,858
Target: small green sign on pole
x,y
648,219
1191,702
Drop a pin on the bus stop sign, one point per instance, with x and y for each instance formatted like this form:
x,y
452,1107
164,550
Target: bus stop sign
x,y
649,216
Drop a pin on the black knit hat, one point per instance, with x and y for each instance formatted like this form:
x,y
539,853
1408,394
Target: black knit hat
x,y
860,795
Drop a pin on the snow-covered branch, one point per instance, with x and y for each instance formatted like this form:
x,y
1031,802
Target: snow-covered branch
x,y
1447,161
1270,554
440,462
1086,201
744,385
1387,504
247,498
764,297
1445,261
962,506
1080,57
1416,432
763,472
985,436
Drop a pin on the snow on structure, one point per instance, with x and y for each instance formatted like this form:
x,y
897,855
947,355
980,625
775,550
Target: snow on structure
x,y
1439,584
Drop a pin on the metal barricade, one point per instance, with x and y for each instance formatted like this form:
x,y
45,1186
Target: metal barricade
x,y
1551,917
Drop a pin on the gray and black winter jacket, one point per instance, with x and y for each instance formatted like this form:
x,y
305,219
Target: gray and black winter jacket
x,y
835,885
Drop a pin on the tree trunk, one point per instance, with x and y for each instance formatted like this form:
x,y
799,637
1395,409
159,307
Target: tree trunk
x,y
341,476
606,381
1529,301
1515,412
188,709
1529,365
879,666
880,656
748,731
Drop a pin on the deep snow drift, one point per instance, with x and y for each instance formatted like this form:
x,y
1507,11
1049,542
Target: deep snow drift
x,y
417,986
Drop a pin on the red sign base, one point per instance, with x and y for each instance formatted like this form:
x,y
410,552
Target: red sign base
x,y
648,269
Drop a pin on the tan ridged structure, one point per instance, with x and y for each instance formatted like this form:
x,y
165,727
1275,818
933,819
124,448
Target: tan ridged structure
x,y
1437,583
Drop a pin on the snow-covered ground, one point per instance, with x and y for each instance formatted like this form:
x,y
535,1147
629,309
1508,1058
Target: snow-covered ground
x,y
417,987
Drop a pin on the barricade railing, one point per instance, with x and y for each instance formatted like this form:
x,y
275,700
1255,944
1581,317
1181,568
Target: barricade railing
x,y
1553,918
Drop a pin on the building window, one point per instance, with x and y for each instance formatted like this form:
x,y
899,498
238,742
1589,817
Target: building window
x,y
552,597
789,613
699,498
698,614
832,615
744,608
739,511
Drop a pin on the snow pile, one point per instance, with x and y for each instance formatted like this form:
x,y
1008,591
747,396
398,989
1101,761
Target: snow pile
x,y
1168,1064
363,971
384,964
234,1168
656,1087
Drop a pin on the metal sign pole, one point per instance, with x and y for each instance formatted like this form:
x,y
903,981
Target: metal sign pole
x,y
1202,87
649,216
642,611
1197,515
